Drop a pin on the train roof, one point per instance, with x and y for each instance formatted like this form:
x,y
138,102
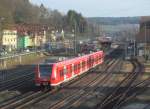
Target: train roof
x,y
62,60
56,60
74,59
51,61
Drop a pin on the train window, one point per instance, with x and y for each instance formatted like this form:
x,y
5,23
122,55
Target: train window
x,y
83,64
65,70
61,73
68,69
92,60
75,67
97,58
72,67
89,60
78,66
45,70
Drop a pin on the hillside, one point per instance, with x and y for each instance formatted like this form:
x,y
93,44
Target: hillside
x,y
24,12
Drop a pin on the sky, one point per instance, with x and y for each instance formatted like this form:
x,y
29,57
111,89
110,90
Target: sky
x,y
100,8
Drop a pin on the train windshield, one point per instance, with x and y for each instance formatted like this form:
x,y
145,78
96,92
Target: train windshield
x,y
45,70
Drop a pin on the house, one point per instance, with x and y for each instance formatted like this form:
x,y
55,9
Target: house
x,y
40,38
144,33
31,36
23,36
143,38
23,42
9,39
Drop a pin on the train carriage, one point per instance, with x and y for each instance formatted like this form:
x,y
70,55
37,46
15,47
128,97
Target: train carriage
x,y
56,73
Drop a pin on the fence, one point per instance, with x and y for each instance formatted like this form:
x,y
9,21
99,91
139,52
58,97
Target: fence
x,y
6,62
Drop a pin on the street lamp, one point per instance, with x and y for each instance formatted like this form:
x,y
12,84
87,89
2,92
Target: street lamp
x,y
1,19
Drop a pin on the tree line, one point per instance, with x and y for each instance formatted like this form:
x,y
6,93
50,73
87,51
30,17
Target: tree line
x,y
114,20
23,11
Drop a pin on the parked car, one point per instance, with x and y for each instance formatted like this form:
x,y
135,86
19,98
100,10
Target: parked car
x,y
27,50
3,53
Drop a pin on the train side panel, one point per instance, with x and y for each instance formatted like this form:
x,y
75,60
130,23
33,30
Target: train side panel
x,y
66,70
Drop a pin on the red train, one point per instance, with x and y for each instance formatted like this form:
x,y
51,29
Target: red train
x,y
56,73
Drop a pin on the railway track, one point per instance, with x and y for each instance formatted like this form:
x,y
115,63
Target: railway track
x,y
147,106
22,102
11,79
80,98
16,82
135,90
122,92
76,94
6,75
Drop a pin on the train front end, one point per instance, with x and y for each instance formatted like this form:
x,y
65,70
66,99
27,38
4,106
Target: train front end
x,y
43,74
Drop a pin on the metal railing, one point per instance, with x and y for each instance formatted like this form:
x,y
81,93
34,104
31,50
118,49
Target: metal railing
x,y
17,55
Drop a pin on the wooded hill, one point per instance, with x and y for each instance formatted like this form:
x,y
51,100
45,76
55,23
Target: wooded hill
x,y
22,11
114,20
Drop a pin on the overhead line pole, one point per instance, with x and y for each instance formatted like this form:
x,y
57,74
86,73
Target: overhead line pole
x,y
145,41
75,49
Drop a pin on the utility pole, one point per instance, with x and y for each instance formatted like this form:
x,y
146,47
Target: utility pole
x,y
134,48
135,32
145,41
88,30
75,48
125,49
1,19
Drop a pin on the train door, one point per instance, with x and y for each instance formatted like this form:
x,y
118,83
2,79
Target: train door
x,y
61,73
93,60
78,68
100,56
65,73
75,68
72,69
81,67
69,70
89,62
97,58
37,75
86,64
